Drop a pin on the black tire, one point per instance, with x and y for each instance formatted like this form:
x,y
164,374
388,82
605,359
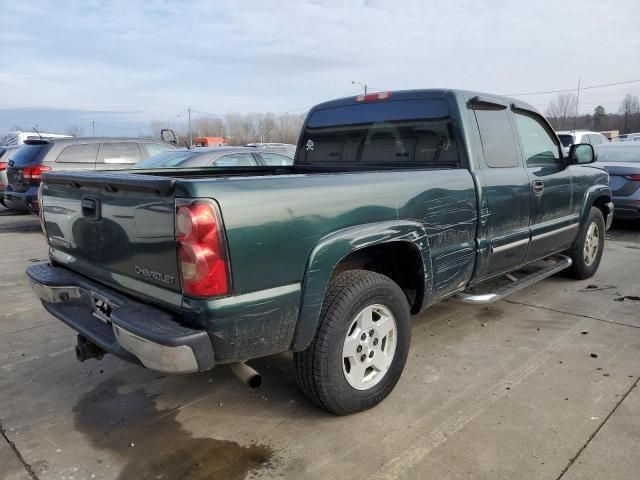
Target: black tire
x,y
580,268
319,368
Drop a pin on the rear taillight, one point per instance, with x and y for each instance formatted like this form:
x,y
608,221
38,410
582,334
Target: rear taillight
x,y
3,166
34,172
634,178
202,251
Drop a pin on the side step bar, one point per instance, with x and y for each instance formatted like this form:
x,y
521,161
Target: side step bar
x,y
498,294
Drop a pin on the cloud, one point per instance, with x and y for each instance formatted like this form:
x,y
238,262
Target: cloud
x,y
160,56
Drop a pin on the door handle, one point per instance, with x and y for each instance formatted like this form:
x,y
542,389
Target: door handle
x,y
538,187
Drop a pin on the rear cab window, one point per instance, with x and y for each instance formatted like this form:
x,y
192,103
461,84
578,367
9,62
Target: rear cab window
x,y
411,133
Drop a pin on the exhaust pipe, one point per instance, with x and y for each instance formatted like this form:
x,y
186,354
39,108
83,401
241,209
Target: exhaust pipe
x,y
246,374
86,350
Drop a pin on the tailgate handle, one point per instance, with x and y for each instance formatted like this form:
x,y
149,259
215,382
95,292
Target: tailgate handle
x,y
90,208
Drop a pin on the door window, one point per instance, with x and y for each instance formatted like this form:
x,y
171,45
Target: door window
x,y
273,159
85,153
540,147
236,160
121,152
498,142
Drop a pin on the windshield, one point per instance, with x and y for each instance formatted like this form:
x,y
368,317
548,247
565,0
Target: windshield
x,y
406,132
567,140
166,160
619,154
30,154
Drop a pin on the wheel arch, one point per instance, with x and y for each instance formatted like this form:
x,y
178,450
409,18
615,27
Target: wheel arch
x,y
598,196
347,249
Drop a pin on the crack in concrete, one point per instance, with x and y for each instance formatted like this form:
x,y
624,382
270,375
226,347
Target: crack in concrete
x,y
13,447
572,314
593,435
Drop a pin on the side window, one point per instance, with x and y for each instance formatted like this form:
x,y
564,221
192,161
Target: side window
x,y
273,159
128,152
498,141
85,153
236,160
588,139
156,148
540,148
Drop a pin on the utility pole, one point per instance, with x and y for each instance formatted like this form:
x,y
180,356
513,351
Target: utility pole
x,y
190,136
575,123
93,128
363,85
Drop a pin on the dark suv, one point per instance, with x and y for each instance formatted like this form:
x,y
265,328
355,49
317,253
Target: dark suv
x,y
35,157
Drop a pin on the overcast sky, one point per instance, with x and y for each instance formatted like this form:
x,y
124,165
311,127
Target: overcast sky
x,y
124,63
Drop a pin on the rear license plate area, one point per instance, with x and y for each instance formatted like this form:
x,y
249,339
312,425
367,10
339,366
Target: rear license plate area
x,y
102,307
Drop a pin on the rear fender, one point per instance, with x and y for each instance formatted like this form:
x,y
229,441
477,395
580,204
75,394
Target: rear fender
x,y
328,253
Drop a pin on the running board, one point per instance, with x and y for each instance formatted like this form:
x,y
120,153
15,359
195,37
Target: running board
x,y
498,294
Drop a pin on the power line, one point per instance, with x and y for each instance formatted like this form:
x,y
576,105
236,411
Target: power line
x,y
207,113
307,107
571,89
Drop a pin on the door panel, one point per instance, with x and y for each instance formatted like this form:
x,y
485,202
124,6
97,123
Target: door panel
x,y
553,222
505,195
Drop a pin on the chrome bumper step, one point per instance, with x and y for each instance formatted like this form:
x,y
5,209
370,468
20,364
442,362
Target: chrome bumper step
x,y
498,294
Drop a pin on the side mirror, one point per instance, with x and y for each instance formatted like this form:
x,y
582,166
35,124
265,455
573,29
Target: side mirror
x,y
581,153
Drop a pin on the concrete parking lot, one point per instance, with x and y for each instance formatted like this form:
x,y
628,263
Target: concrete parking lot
x,y
542,385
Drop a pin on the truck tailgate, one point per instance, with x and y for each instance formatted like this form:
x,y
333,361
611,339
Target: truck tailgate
x,y
114,224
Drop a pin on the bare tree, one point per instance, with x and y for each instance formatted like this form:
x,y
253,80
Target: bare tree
x,y
238,129
75,131
562,110
630,111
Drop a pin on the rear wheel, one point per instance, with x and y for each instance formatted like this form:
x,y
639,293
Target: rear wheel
x,y
361,345
587,250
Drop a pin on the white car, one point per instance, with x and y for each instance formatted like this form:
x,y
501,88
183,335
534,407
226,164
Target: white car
x,y
570,137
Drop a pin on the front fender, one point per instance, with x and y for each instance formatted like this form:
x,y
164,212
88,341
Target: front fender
x,y
333,248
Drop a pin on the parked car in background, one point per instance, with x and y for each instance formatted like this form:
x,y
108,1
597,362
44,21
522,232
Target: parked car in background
x,y
284,148
571,137
37,156
629,137
215,157
17,138
622,161
5,152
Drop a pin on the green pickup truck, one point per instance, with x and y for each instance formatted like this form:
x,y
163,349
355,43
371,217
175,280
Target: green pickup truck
x,y
395,201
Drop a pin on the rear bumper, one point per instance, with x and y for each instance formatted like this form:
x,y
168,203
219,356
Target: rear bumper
x,y
134,331
24,201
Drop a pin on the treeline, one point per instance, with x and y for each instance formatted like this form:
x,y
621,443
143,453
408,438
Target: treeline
x,y
561,113
237,128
